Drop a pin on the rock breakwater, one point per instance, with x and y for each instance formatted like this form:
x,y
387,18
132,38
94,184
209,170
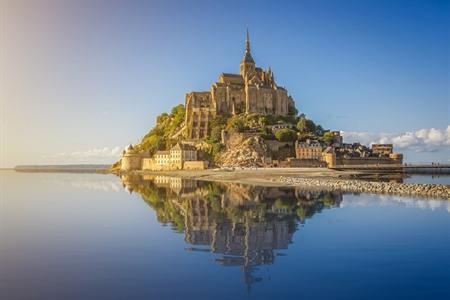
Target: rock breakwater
x,y
403,189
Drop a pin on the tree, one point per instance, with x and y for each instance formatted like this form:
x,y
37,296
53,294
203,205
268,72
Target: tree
x,y
153,143
263,121
292,110
328,137
286,135
305,125
217,125
178,110
161,118
319,130
236,124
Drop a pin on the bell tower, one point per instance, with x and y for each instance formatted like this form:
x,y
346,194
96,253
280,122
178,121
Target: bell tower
x,y
247,67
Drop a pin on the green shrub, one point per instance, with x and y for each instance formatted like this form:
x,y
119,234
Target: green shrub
x,y
235,123
328,137
158,138
293,111
305,125
217,125
286,135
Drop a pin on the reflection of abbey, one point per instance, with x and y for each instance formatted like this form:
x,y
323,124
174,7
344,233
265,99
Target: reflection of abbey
x,y
245,226
253,90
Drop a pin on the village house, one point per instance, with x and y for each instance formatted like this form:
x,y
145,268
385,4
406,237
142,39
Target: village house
x,y
181,153
162,158
179,157
337,139
382,149
310,149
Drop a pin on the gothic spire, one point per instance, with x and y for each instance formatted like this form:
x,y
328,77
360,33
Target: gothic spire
x,y
247,56
247,43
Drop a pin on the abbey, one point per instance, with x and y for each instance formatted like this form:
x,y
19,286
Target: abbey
x,y
253,90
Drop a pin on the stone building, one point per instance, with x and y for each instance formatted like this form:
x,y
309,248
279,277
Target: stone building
x,y
162,158
308,150
253,90
329,157
359,155
337,139
173,159
382,149
181,153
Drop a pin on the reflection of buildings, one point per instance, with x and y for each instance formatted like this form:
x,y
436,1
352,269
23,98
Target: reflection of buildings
x,y
175,184
251,242
245,225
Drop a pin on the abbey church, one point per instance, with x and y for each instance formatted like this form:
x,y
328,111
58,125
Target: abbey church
x,y
253,90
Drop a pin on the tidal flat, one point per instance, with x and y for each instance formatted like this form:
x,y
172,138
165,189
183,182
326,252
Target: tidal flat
x,y
320,178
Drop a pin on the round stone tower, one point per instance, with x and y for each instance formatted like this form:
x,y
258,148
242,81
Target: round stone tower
x,y
131,160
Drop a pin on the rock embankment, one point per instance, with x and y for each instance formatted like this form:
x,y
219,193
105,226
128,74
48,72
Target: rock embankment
x,y
358,186
249,153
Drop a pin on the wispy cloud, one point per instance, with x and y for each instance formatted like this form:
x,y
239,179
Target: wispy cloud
x,y
372,200
422,140
95,155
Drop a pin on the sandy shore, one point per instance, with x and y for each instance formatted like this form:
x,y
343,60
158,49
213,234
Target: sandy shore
x,y
260,176
322,178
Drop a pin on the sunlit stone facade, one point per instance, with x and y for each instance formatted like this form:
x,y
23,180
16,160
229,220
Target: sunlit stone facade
x,y
253,90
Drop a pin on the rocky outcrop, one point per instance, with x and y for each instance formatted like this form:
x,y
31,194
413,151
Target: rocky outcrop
x,y
251,152
416,190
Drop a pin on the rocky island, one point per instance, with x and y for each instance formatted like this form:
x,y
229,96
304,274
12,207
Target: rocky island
x,y
247,121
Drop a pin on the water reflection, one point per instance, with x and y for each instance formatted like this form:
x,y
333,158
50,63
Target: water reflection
x,y
245,225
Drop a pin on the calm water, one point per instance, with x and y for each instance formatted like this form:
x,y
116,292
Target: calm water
x,y
88,236
433,179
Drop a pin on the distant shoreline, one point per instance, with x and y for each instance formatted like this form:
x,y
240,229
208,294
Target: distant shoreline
x,y
321,178
80,168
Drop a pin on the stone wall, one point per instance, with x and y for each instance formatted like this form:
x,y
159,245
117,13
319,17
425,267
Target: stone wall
x,y
332,161
275,145
149,164
195,165
306,163
366,161
329,158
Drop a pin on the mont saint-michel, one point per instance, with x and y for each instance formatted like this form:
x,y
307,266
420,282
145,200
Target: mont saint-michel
x,y
245,120
217,150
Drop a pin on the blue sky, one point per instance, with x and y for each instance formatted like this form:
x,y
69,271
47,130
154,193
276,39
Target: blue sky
x,y
82,79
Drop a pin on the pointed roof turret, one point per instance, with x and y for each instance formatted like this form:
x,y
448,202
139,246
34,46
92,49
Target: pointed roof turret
x,y
247,56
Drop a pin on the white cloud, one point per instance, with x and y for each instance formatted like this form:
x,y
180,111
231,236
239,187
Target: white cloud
x,y
95,155
382,200
105,152
421,140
